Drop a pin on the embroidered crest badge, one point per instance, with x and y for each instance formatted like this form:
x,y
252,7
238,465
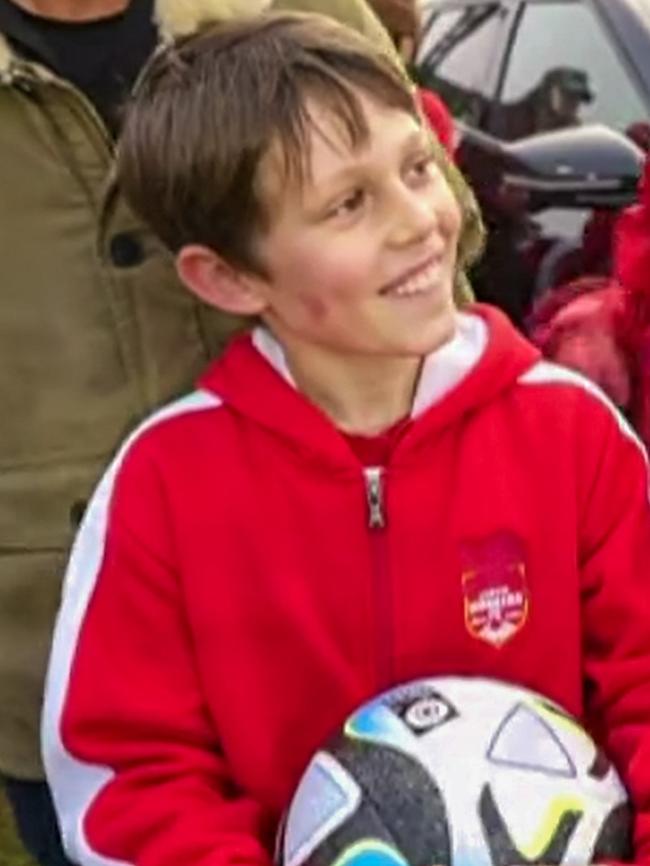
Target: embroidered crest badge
x,y
495,589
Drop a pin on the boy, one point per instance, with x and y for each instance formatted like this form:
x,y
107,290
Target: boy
x,y
367,489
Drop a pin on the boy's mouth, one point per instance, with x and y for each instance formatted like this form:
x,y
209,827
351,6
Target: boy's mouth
x,y
416,281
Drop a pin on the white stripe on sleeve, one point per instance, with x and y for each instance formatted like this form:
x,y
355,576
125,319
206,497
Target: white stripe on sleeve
x,y
76,784
544,372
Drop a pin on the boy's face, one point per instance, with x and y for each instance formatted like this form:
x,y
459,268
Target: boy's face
x,y
360,258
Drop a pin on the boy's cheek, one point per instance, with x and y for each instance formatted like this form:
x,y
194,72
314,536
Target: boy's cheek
x,y
452,218
340,275
316,308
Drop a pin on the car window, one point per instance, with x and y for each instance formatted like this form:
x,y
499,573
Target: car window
x,y
554,81
456,55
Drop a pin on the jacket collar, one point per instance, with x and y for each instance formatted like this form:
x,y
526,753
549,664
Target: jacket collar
x,y
485,358
442,371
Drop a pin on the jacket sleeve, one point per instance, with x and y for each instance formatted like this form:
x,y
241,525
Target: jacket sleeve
x,y
615,559
131,752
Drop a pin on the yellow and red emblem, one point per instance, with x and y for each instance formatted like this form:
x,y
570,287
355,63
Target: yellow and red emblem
x,y
495,588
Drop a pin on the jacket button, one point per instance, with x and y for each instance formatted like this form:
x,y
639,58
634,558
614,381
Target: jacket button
x,y
125,250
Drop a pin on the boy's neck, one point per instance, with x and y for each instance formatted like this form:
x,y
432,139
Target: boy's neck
x,y
361,395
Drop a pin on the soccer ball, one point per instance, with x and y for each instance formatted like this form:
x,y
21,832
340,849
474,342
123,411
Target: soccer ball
x,y
459,771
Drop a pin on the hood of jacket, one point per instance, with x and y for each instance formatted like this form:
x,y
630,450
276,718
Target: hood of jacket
x,y
486,357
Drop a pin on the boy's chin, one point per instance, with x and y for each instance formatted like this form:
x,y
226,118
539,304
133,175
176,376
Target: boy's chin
x,y
433,336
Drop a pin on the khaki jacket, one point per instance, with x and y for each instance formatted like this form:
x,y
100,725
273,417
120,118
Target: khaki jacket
x,y
95,331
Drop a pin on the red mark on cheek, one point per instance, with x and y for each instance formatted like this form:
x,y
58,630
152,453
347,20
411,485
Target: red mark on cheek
x,y
315,306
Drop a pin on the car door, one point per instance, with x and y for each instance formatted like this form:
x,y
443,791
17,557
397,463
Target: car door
x,y
564,70
460,53
461,56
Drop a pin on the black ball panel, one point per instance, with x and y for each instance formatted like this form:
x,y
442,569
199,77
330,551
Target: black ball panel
x,y
364,824
614,841
403,795
503,850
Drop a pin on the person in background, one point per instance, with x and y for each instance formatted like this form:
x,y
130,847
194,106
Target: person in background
x,y
600,326
580,325
563,93
94,329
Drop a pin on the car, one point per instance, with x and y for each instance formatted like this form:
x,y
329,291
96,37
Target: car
x,y
552,104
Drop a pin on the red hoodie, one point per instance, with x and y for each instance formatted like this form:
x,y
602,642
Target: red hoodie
x,y
239,586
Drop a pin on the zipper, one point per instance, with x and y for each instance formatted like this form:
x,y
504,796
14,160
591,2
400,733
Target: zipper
x,y
375,486
374,478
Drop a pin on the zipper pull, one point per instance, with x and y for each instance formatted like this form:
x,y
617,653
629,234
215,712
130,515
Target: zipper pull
x,y
374,479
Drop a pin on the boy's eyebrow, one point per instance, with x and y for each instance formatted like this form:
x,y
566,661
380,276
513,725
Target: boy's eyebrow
x,y
312,185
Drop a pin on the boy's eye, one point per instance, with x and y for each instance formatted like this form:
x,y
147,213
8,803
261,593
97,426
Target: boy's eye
x,y
347,205
423,168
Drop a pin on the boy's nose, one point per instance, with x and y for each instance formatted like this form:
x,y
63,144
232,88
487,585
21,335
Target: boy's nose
x,y
414,218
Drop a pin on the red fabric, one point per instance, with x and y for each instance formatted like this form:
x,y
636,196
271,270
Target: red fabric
x,y
632,269
632,251
639,132
580,326
376,450
243,607
439,118
602,327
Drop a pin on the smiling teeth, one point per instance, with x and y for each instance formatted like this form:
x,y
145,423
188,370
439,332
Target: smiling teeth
x,y
417,285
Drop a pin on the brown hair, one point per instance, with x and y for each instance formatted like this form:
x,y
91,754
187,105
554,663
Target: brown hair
x,y
208,107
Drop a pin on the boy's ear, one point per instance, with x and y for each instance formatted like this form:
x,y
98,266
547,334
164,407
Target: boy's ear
x,y
217,282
